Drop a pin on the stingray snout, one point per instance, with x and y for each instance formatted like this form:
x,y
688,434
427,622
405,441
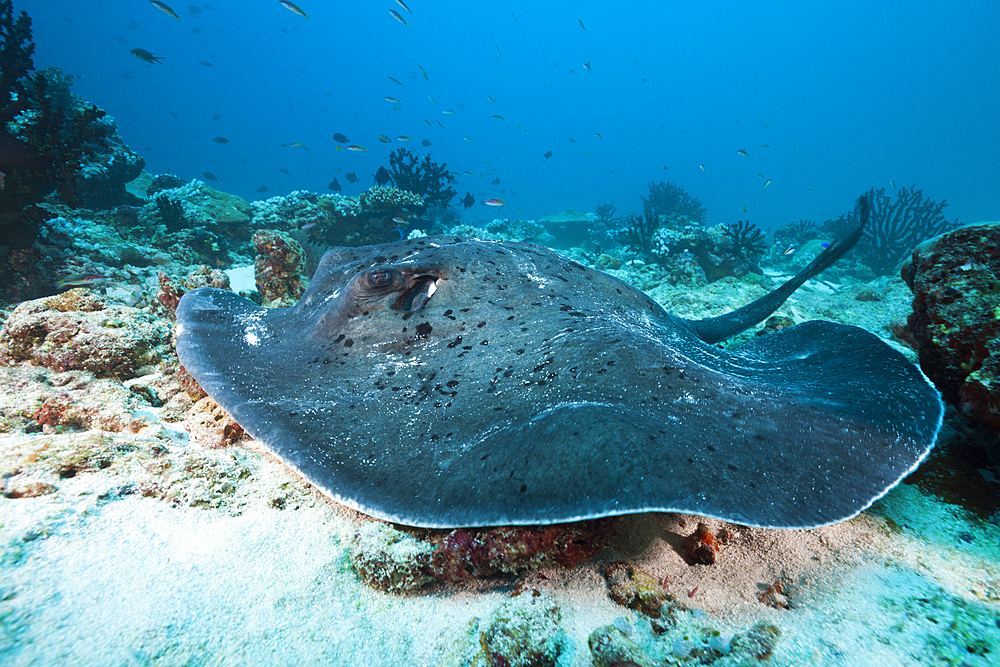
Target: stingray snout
x,y
418,291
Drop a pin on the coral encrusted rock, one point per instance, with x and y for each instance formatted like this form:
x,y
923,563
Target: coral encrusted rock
x,y
82,330
955,323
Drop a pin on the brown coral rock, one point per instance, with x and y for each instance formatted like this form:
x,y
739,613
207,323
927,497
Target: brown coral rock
x,y
81,330
631,587
210,426
279,268
955,323
701,547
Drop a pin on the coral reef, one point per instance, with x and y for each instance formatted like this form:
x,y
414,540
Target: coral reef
x,y
170,290
427,178
16,49
394,561
748,242
669,199
81,330
894,228
523,632
631,587
605,212
572,229
955,323
279,268
386,199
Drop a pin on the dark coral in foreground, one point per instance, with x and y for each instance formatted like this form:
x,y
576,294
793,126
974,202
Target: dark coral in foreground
x,y
955,323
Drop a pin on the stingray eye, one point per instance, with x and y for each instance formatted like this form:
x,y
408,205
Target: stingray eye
x,y
380,278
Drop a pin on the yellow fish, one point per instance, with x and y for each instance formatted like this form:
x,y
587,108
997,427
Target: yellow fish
x,y
293,8
165,8
396,15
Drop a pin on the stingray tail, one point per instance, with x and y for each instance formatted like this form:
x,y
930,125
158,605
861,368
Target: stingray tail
x,y
715,329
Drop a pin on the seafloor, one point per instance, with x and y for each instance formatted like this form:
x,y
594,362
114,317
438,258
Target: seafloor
x,y
144,536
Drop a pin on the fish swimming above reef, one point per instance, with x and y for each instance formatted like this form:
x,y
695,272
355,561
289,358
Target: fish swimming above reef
x,y
468,200
146,56
446,382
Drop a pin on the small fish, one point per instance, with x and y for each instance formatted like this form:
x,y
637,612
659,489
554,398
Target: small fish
x,y
440,124
309,225
448,111
296,144
382,176
216,116
428,122
384,139
396,81
355,147
498,116
146,56
496,181
495,202
468,201
400,221
334,185
824,245
425,143
403,137
572,140
586,66
702,167
206,63
433,100
424,72
469,140
693,591
262,188
893,184
209,176
284,171
293,8
387,98
743,153
791,250
396,15
547,155
581,24
492,100
396,107
165,8
79,280
408,10
220,140
766,183
764,146
744,207
339,138
351,177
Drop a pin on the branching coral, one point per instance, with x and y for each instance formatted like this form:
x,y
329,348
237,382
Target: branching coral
x,y
669,199
638,232
748,240
423,177
894,228
605,212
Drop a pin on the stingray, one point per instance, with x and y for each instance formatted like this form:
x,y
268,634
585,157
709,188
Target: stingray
x,y
447,382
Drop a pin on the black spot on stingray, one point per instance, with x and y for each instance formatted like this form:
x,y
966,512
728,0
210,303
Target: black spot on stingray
x,y
481,324
349,342
455,343
519,351
424,329
524,487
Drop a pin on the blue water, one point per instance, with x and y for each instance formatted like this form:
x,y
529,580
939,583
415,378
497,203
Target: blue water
x,y
847,95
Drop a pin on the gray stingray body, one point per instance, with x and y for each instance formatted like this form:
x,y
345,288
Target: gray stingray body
x,y
446,382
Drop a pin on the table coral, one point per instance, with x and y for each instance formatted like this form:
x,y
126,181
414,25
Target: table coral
x,y
387,199
955,323
81,330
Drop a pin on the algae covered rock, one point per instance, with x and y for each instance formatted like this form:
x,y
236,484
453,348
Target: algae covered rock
x,y
82,330
955,323
524,632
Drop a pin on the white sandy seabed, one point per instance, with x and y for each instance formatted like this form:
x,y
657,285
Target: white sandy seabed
x,y
93,577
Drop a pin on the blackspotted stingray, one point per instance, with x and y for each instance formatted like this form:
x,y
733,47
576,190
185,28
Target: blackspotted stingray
x,y
447,382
